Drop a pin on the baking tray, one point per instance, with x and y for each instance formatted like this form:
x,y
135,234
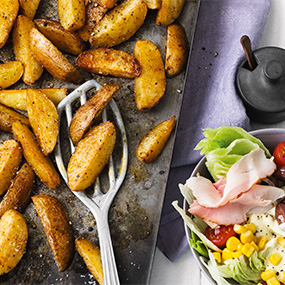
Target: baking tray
x,y
135,213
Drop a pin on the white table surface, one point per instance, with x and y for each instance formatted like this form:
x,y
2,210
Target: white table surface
x,y
185,271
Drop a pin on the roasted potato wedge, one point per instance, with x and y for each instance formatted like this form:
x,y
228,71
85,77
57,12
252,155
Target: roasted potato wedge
x,y
8,116
64,40
176,50
52,59
43,117
20,191
71,14
10,73
84,116
91,256
119,24
29,7
57,227
151,84
21,43
153,4
153,142
17,98
169,11
10,159
13,240
106,61
90,156
40,163
109,4
8,11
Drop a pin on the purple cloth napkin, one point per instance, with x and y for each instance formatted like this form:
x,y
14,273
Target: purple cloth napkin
x,y
210,98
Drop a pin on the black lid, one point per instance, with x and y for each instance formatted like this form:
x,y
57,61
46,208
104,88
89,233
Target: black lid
x,y
263,89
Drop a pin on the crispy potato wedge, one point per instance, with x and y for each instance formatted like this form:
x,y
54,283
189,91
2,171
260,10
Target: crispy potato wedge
x,y
153,4
57,227
64,40
84,116
10,9
71,14
13,240
154,141
52,59
21,43
151,84
119,24
169,11
176,50
10,73
90,156
8,116
109,4
106,61
10,159
91,256
40,163
19,193
29,7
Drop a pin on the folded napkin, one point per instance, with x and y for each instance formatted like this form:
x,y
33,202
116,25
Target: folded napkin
x,y
210,99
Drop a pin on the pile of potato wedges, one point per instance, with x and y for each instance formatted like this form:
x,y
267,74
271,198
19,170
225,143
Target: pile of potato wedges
x,y
89,31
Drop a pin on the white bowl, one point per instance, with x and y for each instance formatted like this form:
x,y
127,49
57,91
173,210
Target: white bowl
x,y
270,138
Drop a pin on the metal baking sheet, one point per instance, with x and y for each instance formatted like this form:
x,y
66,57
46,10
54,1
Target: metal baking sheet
x,y
135,213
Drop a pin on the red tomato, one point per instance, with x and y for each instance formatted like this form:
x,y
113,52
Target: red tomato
x,y
219,235
279,154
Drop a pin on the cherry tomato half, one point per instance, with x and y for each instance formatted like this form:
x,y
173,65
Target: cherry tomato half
x,y
279,154
219,235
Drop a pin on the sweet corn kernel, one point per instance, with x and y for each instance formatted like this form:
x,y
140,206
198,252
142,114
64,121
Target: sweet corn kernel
x,y
226,254
275,258
267,274
247,237
281,241
261,242
239,229
281,276
232,243
248,249
251,227
217,256
237,254
239,247
273,281
255,245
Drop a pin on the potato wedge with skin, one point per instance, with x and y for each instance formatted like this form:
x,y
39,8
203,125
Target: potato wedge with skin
x,y
176,50
169,12
29,7
57,227
8,11
10,159
64,40
109,4
8,116
84,116
151,84
154,141
40,163
19,193
119,24
10,73
52,59
43,117
91,256
13,240
90,156
71,14
106,61
153,4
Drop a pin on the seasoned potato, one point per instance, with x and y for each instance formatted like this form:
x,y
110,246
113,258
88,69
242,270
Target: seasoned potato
x,y
57,227
109,4
71,14
43,117
8,116
150,85
153,142
29,7
64,40
52,59
84,116
176,50
10,73
153,4
10,9
20,191
10,159
13,240
169,11
21,42
119,24
90,156
91,256
107,61
40,163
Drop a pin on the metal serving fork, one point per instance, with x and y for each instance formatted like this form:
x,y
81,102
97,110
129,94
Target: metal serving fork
x,y
98,203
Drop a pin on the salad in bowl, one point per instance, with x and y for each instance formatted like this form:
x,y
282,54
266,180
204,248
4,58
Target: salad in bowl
x,y
234,208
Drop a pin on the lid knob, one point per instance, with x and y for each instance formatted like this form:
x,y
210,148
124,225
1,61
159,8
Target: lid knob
x,y
273,69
